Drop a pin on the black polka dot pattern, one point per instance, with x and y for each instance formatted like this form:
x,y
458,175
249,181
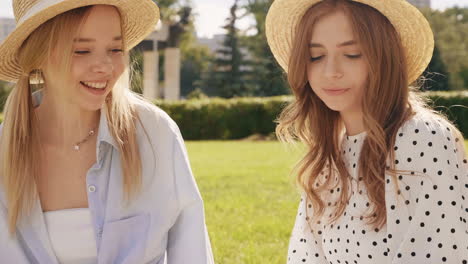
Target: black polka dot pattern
x,y
426,214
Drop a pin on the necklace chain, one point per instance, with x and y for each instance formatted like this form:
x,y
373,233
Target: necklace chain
x,y
78,145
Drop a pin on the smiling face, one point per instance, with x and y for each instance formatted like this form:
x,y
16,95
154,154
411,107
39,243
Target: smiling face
x,y
97,61
337,70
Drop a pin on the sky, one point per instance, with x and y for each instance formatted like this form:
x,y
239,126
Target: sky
x,y
211,14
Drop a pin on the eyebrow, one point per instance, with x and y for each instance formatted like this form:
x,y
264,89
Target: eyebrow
x,y
93,40
346,43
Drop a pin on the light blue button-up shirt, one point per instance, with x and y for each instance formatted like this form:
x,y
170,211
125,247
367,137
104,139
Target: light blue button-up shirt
x,y
165,224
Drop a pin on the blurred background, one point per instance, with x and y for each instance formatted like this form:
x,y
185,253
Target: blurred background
x,y
208,65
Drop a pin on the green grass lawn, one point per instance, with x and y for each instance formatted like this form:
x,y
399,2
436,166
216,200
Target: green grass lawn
x,y
250,198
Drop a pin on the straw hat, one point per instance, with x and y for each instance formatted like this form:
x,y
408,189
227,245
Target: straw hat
x,y
139,18
415,31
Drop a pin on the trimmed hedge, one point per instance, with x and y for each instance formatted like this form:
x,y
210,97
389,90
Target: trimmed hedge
x,y
454,105
216,118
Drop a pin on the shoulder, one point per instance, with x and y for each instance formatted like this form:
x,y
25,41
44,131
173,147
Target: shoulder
x,y
154,120
428,129
428,143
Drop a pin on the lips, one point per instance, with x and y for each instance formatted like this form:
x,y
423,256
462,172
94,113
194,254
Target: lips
x,y
335,91
95,84
95,91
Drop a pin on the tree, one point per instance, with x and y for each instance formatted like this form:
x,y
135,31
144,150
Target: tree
x,y
450,29
269,78
195,61
229,75
436,74
167,8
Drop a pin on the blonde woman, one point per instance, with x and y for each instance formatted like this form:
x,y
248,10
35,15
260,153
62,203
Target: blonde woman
x,y
385,179
90,173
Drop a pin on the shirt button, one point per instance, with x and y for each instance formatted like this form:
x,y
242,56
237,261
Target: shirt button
x,y
92,188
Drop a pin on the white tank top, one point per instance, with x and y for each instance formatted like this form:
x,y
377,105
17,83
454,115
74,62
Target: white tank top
x,y
72,235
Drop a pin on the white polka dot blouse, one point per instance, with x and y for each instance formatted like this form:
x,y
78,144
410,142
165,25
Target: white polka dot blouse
x,y
426,222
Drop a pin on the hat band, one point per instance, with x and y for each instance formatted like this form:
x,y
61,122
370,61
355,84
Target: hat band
x,y
36,8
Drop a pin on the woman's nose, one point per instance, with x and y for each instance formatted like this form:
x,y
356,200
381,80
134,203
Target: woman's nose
x,y
333,69
103,64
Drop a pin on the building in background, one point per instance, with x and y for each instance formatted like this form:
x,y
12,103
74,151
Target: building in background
x,y
420,3
7,25
213,44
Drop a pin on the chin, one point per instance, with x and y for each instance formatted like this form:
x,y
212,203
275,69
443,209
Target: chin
x,y
92,106
91,102
335,106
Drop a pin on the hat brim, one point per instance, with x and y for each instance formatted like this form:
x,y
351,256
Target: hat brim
x,y
139,19
414,30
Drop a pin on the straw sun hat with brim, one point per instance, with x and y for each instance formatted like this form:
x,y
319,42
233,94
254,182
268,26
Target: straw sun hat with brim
x,y
138,17
414,30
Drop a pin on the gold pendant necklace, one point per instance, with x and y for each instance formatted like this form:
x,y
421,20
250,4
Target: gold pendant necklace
x,y
77,145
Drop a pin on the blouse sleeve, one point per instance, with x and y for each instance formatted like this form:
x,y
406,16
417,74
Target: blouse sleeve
x,y
188,240
305,245
428,224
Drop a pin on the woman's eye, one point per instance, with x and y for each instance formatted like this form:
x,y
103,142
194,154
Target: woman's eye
x,y
82,52
354,56
349,56
315,58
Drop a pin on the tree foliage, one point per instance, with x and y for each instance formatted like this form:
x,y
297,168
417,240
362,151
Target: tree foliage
x,y
450,29
436,74
229,74
269,78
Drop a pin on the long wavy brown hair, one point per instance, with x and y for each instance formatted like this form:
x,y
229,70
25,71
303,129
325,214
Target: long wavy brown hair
x,y
389,102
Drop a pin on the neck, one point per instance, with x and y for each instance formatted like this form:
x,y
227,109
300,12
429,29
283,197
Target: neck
x,y
353,122
62,124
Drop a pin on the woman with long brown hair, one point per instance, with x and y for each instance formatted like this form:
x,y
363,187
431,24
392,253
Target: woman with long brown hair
x,y
89,171
385,178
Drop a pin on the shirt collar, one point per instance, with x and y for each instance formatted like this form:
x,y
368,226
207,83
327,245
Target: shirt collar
x,y
104,134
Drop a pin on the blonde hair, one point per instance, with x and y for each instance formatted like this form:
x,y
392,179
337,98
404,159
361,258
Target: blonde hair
x,y
388,104
19,141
